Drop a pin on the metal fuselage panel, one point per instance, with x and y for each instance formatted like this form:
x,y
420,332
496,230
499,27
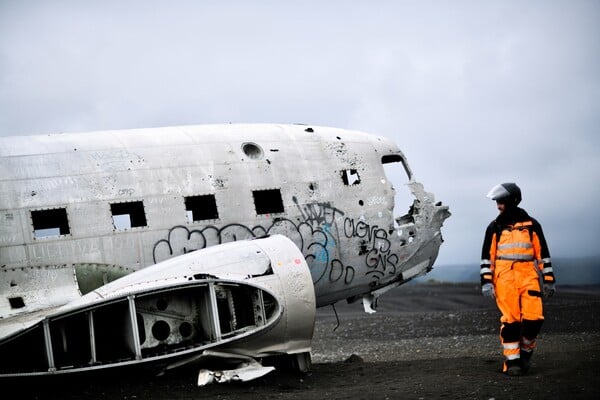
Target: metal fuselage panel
x,y
171,313
324,188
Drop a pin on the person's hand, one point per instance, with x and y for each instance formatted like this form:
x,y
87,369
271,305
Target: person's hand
x,y
487,290
548,290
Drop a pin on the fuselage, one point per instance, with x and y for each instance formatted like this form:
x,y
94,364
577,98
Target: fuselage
x,y
124,200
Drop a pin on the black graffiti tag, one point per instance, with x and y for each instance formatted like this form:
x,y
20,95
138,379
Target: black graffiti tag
x,y
314,237
376,244
318,213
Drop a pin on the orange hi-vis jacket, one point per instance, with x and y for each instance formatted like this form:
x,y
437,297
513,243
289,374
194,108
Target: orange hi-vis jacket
x,y
514,237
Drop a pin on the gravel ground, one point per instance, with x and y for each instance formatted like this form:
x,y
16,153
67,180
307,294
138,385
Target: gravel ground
x,y
427,341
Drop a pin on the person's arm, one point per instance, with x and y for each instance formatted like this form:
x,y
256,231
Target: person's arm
x,y
542,255
488,253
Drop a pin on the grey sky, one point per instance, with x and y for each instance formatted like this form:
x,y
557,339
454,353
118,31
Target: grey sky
x,y
474,92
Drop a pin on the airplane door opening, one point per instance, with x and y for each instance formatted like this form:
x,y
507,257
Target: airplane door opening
x,y
398,176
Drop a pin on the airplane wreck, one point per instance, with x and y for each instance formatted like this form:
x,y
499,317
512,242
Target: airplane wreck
x,y
198,244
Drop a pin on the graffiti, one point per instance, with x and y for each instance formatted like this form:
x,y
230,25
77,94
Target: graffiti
x,y
387,261
376,200
128,192
318,213
115,159
60,251
338,270
376,247
372,234
317,244
315,233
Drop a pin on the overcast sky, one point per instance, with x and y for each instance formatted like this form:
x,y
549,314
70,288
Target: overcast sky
x,y
475,93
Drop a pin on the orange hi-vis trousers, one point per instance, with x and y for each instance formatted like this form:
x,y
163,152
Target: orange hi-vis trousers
x,y
519,299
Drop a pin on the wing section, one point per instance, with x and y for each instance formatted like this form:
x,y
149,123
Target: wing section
x,y
248,298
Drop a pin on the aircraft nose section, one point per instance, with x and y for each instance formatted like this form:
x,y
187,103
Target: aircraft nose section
x,y
431,214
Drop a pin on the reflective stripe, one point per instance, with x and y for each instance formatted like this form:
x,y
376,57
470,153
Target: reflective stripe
x,y
515,243
526,341
523,349
511,346
485,271
486,262
546,260
521,245
516,257
511,350
527,345
547,270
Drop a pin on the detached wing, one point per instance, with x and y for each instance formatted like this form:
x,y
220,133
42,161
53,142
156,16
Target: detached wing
x,y
252,298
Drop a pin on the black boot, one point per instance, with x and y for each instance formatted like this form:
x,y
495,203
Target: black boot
x,y
512,367
526,360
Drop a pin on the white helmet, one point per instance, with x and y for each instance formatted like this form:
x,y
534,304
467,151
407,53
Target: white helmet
x,y
507,193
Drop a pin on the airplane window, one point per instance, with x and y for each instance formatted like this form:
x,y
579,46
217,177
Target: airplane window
x,y
268,201
398,175
396,158
16,302
50,223
350,177
252,150
128,215
200,208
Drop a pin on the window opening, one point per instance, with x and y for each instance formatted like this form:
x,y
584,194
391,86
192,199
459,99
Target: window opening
x,y
396,158
50,223
128,215
200,208
268,201
16,302
252,150
398,176
350,177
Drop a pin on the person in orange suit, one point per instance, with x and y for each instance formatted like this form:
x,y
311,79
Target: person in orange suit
x,y
516,270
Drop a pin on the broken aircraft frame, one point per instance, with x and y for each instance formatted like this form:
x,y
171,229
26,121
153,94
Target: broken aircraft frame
x,y
99,229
